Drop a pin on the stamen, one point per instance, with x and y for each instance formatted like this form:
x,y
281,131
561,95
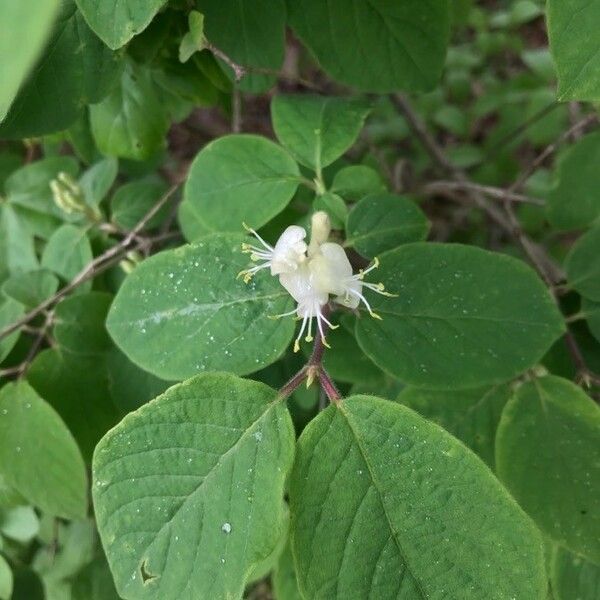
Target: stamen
x,y
255,234
365,302
287,314
379,288
297,341
309,337
320,318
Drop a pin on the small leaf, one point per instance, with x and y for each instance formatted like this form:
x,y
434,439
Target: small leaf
x,y
98,179
199,471
20,524
38,454
10,312
133,200
571,30
131,122
470,415
194,40
573,576
117,21
591,310
67,252
285,583
79,323
356,181
316,129
31,288
381,222
94,582
583,265
455,322
17,254
387,505
573,203
191,299
547,455
77,387
240,178
6,580
376,45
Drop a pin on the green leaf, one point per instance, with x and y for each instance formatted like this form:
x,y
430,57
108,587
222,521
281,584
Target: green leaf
x,y
96,182
78,388
240,178
9,497
356,181
24,27
316,129
94,582
191,299
74,69
381,222
385,504
455,322
583,265
17,254
198,472
6,580
117,21
38,454
131,122
285,583
32,288
193,41
573,203
79,323
191,226
20,524
571,30
546,446
133,200
470,415
10,311
251,34
376,45
334,206
574,577
67,252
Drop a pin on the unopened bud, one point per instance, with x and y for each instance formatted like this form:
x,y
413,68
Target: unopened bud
x,y
320,230
67,194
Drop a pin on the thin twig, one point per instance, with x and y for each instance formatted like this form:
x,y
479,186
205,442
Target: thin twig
x,y
236,110
99,264
443,187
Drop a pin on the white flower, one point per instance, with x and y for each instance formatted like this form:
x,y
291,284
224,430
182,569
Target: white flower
x,y
311,274
289,252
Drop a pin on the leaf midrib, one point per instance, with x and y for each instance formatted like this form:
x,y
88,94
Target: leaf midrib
x,y
380,495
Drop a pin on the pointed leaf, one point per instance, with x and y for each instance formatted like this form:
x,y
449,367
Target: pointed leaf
x,y
198,472
385,505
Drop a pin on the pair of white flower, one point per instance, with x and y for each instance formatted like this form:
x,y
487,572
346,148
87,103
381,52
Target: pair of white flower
x,y
312,273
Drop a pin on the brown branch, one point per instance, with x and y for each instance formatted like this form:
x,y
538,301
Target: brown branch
x,y
99,264
447,187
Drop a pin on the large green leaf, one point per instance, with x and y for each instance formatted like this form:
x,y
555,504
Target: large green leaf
x,y
131,122
133,200
74,69
385,504
24,26
574,577
317,129
583,265
547,454
470,415
38,455
184,311
456,323
572,31
198,472
117,21
573,203
240,178
381,222
376,45
250,32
